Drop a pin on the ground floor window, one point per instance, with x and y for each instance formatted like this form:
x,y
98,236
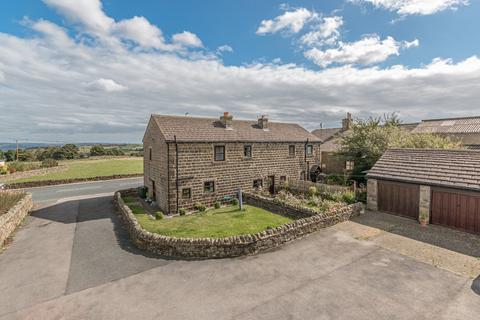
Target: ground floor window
x,y
349,164
283,179
257,183
209,186
186,193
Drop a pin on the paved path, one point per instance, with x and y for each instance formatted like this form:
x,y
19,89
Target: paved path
x,y
72,260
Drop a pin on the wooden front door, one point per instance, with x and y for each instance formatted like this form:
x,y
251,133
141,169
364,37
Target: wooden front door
x,y
271,184
399,198
456,209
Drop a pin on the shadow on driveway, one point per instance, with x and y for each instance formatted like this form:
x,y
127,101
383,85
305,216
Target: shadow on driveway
x,y
476,285
461,242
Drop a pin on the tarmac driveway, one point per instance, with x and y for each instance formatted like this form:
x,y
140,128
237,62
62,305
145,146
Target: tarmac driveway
x,y
73,260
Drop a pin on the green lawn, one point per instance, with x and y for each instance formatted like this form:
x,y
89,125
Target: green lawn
x,y
92,168
215,223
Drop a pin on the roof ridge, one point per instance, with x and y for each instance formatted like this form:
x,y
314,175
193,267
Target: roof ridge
x,y
218,119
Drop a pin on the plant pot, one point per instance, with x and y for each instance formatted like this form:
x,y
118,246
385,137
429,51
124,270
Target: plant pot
x,y
423,223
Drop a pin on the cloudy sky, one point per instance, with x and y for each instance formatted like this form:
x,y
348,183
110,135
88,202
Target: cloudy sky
x,y
91,70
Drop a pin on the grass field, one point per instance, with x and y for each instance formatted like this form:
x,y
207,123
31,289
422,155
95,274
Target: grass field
x,y
215,223
92,168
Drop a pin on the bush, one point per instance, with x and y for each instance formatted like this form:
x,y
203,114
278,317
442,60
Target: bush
x,y
349,197
216,205
182,212
200,207
235,202
159,215
49,163
3,169
312,191
142,192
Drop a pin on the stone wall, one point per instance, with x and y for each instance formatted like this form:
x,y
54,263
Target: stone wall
x,y
372,194
10,220
236,245
31,173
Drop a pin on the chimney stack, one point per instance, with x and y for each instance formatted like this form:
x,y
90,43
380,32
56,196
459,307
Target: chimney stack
x,y
263,122
347,122
227,120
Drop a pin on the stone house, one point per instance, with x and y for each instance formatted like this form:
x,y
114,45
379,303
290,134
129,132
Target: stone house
x,y
441,185
189,160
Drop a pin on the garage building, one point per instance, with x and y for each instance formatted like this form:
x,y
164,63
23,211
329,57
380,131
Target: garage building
x,y
445,184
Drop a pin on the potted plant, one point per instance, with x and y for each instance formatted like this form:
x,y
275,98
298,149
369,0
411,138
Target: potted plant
x,y
423,218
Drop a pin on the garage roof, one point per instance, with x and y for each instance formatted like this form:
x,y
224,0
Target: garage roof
x,y
449,168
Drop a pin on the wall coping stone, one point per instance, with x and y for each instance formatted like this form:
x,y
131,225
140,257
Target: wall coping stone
x,y
15,215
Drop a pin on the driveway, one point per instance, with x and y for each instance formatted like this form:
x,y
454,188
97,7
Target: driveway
x,y
73,260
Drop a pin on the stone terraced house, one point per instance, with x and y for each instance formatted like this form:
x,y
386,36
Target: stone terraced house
x,y
189,160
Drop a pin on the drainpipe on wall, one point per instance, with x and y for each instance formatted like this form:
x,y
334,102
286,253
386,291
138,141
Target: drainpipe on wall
x,y
306,164
168,178
176,168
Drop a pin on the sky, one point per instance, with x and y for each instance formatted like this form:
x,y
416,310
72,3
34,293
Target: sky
x,y
94,71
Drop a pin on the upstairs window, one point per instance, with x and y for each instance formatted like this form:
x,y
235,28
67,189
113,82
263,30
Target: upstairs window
x,y
291,150
150,153
309,150
219,153
247,151
209,187
349,164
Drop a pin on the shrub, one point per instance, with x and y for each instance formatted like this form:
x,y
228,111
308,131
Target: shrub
x,y
348,197
142,192
235,202
312,191
200,207
49,163
182,212
3,170
159,215
216,205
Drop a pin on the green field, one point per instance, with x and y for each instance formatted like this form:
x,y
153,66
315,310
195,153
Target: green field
x,y
79,169
215,223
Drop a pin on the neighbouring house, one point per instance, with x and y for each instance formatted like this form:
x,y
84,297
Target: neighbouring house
x,y
443,184
189,160
466,129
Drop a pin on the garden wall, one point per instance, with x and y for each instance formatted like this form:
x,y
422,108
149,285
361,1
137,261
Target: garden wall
x,y
31,173
236,245
10,220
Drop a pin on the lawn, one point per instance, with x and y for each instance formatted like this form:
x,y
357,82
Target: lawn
x,y
215,223
92,168
8,200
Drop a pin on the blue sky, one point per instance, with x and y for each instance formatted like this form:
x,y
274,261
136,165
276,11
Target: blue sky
x,y
88,70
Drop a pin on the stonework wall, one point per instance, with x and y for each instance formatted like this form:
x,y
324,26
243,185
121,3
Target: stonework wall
x,y
332,163
372,194
31,173
425,198
236,245
10,220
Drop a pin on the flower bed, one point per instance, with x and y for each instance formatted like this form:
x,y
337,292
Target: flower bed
x,y
307,221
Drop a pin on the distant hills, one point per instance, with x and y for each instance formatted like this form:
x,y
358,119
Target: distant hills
x,y
4,146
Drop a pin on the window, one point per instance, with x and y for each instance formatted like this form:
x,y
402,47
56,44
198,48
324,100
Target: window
x,y
302,175
309,150
257,183
219,153
349,164
209,187
283,179
291,151
247,151
186,193
150,153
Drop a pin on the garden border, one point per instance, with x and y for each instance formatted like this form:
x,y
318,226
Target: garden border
x,y
12,219
234,246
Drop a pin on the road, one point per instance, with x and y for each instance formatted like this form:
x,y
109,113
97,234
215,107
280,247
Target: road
x,y
73,260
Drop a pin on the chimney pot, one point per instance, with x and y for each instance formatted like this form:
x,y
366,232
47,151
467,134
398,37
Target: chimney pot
x,y
227,120
347,122
263,122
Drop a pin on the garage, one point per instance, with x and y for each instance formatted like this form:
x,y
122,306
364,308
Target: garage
x,y
439,186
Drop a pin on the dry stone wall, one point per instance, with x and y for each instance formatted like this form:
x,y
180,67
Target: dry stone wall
x,y
306,223
10,220
31,173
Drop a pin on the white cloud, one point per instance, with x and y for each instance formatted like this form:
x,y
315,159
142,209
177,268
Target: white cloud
x,y
107,85
410,7
367,51
187,39
325,32
224,48
292,21
138,29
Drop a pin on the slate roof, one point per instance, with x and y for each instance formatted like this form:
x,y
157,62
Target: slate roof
x,y
327,133
448,168
197,129
452,125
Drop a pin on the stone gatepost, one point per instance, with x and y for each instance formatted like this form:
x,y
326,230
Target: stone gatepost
x,y
372,194
424,206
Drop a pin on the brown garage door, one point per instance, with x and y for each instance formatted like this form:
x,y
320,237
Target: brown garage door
x,y
456,209
399,198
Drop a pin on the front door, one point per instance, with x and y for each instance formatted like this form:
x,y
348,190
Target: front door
x,y
154,191
271,184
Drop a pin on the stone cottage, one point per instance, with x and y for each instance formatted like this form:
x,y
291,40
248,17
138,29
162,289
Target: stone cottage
x,y
189,160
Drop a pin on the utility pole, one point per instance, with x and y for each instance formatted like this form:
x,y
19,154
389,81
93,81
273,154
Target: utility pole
x,y
17,149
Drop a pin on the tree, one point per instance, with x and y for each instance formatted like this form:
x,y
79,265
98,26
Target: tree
x,y
71,151
369,140
97,150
